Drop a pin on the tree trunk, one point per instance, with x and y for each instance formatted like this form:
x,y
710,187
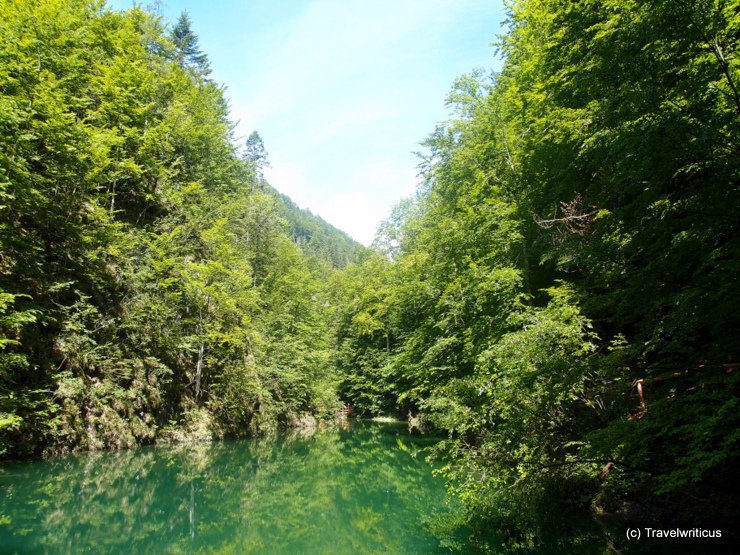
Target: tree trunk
x,y
199,369
202,348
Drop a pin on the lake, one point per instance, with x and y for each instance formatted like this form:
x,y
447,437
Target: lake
x,y
365,488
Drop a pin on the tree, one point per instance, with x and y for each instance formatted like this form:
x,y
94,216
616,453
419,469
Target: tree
x,y
144,279
566,297
188,54
255,154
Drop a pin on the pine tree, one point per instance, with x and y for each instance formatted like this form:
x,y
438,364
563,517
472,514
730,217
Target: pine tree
x,y
188,54
255,153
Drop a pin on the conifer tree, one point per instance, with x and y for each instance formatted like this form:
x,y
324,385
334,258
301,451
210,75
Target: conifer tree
x,y
255,153
188,52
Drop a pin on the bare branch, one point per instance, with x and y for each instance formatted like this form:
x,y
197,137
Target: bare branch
x,y
574,219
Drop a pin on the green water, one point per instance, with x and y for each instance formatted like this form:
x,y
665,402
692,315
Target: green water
x,y
362,490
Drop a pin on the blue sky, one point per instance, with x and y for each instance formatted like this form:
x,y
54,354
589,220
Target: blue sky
x,y
341,91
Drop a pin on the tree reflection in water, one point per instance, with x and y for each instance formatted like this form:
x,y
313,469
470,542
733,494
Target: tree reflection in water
x,y
338,491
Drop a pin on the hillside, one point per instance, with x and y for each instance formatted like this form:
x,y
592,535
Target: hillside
x,y
315,236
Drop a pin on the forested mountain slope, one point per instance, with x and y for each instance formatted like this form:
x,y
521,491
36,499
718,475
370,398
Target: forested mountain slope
x,y
149,282
314,235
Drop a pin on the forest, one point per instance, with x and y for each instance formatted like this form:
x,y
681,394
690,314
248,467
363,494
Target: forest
x,y
559,299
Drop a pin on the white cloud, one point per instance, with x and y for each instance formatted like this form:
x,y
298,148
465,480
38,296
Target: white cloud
x,y
355,212
370,193
291,180
344,91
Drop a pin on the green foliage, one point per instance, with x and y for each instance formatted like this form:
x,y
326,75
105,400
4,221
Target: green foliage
x,y
255,153
145,276
561,296
188,55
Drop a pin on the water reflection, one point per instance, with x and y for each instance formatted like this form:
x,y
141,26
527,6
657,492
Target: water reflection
x,y
339,491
